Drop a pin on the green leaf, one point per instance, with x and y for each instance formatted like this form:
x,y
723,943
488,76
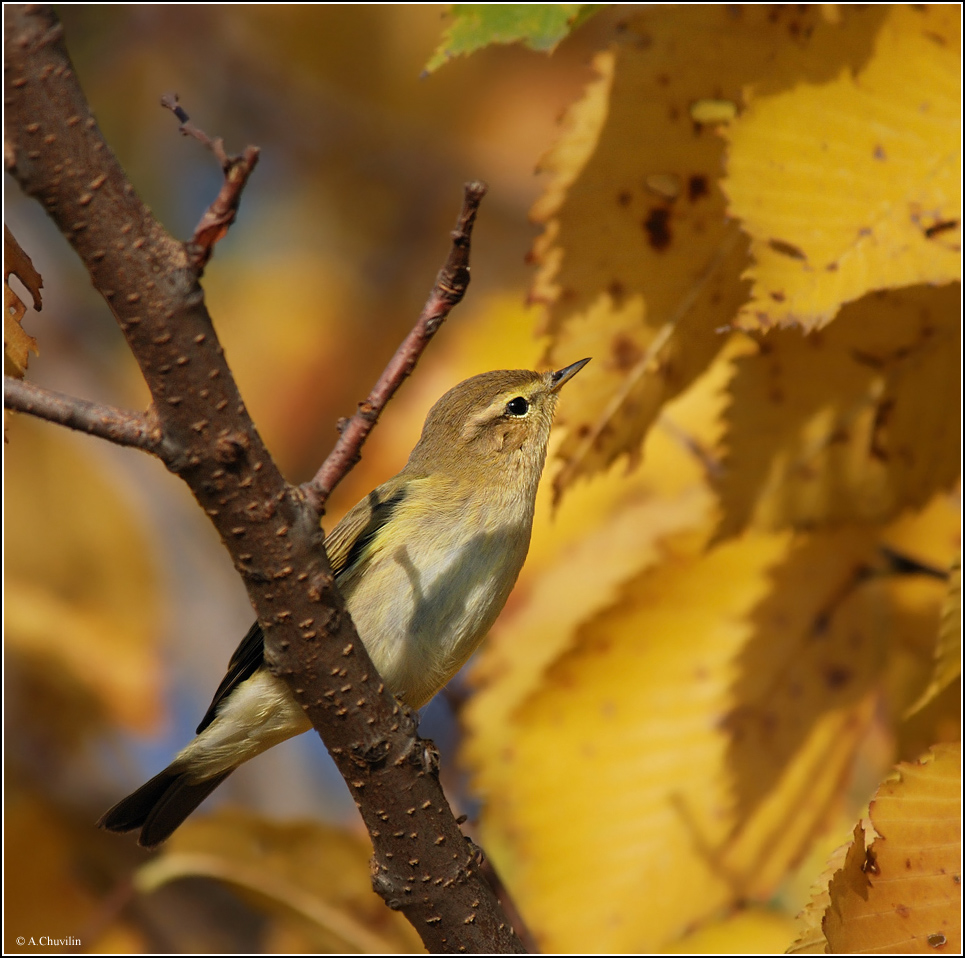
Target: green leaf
x,y
540,26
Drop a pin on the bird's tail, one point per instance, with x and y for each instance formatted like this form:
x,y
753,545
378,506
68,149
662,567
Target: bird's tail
x,y
159,806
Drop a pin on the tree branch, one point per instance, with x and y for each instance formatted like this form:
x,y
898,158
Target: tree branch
x,y
423,864
108,422
449,288
219,216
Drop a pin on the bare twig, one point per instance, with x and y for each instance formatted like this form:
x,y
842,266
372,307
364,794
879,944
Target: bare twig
x,y
171,102
108,422
219,216
449,288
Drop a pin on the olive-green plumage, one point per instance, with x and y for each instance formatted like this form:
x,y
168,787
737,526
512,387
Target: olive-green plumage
x,y
425,563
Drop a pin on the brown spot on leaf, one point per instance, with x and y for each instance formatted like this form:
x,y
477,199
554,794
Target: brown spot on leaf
x,y
837,676
626,353
902,911
617,292
941,227
657,225
697,187
662,79
786,249
624,198
777,296
668,371
879,152
878,448
937,940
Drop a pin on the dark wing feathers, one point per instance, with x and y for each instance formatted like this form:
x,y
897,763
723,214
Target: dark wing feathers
x,y
244,663
348,541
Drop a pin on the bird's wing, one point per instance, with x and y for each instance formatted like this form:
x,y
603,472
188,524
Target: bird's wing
x,y
348,542
248,658
346,545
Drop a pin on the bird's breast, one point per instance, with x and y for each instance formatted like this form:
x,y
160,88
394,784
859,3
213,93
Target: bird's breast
x,y
428,593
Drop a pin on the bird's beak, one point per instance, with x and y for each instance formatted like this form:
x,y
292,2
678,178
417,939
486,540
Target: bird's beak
x,y
565,375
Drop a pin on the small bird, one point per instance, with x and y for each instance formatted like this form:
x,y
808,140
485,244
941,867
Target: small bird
x,y
425,563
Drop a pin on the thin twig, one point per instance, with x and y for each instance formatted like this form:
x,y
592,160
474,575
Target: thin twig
x,y
214,143
214,224
450,287
108,422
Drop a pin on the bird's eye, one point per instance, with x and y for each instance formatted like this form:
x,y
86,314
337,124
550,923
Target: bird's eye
x,y
517,407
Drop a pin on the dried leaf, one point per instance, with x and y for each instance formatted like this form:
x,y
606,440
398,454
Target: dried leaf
x,y
17,344
903,892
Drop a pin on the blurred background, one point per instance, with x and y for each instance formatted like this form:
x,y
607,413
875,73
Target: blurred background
x,y
711,662
128,607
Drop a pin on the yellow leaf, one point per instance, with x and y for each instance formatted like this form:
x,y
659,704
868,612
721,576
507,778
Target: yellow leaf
x,y
541,624
854,185
619,735
640,267
860,421
948,649
903,892
688,743
814,655
314,874
747,931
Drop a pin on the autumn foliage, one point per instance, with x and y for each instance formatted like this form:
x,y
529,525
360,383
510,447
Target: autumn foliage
x,y
736,643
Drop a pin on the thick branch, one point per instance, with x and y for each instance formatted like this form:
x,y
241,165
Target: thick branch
x,y
449,288
108,422
423,863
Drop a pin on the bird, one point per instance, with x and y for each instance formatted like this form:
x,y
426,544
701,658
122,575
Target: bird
x,y
425,563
